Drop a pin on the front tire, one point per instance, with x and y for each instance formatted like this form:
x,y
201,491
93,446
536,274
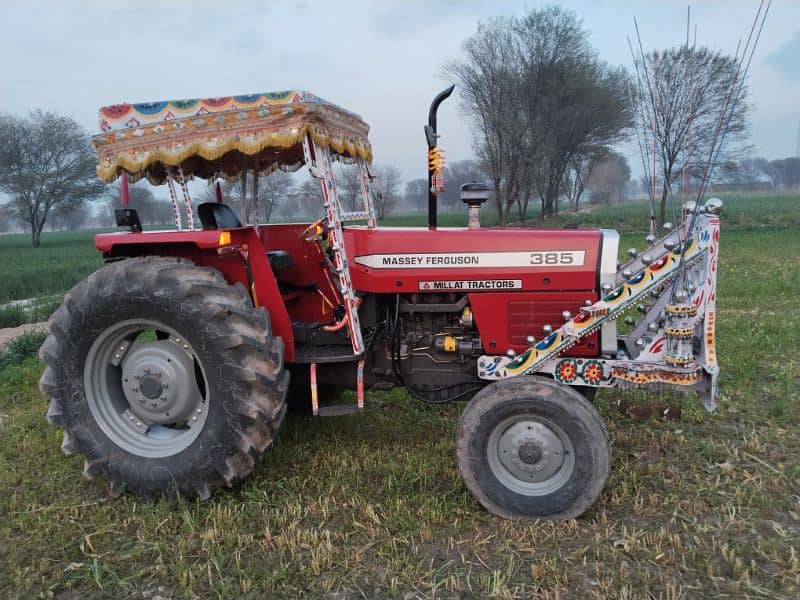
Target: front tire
x,y
530,448
164,377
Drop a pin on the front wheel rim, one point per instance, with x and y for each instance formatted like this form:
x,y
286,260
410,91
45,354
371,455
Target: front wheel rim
x,y
530,455
149,397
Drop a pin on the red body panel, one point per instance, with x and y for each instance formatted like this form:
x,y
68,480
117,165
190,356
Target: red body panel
x,y
362,241
506,319
307,270
201,248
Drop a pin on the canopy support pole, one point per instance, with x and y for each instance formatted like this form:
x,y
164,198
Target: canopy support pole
x,y
186,200
173,196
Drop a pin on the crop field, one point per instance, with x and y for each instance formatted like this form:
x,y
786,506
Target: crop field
x,y
373,506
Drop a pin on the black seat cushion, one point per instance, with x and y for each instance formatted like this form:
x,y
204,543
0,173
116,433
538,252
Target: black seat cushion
x,y
279,259
215,215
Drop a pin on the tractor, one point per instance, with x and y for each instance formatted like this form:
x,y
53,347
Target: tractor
x,y
170,369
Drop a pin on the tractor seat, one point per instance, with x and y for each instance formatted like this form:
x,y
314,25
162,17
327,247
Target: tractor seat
x,y
279,259
215,215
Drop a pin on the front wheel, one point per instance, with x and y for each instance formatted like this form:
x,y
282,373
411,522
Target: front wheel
x,y
530,448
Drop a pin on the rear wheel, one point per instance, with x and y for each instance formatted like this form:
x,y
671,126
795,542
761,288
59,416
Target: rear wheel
x,y
164,377
530,448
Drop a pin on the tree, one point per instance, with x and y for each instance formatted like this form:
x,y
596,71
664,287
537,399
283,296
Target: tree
x,y
69,218
151,210
751,170
417,193
273,190
348,186
308,197
684,94
609,179
579,172
539,96
455,175
46,161
784,173
387,189
489,83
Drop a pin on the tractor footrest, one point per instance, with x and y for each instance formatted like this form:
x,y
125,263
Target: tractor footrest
x,y
339,410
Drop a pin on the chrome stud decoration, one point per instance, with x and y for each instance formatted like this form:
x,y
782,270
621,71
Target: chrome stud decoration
x,y
713,206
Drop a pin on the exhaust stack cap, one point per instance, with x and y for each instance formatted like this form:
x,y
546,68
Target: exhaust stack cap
x,y
473,195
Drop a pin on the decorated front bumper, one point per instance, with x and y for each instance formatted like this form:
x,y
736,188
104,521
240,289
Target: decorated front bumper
x,y
673,284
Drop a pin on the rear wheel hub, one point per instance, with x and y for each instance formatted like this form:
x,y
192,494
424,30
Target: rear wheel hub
x,y
147,395
159,382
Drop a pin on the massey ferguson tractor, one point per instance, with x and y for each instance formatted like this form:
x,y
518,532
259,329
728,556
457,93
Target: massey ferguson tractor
x,y
170,368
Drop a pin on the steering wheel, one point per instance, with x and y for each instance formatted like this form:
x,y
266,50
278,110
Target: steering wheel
x,y
315,231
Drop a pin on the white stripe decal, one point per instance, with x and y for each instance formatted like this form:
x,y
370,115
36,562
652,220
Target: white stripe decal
x,y
474,260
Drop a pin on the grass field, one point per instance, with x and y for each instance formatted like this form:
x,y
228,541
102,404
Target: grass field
x,y
373,506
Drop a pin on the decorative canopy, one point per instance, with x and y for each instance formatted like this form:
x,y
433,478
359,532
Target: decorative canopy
x,y
223,136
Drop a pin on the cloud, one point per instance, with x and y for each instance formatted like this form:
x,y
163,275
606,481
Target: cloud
x,y
786,59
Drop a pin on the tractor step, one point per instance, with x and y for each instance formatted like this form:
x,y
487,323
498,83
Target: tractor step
x,y
337,410
308,354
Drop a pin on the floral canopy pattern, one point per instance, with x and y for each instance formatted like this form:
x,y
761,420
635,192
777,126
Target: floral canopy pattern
x,y
223,136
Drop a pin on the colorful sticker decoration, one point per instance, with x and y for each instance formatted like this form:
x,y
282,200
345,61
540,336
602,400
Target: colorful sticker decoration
x,y
592,372
566,370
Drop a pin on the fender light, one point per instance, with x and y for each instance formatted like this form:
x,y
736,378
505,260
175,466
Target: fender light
x,y
224,238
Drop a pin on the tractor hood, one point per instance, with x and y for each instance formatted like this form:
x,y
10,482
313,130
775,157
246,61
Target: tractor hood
x,y
407,260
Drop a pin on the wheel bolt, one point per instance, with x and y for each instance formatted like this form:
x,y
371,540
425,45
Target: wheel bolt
x,y
194,418
186,346
199,410
154,404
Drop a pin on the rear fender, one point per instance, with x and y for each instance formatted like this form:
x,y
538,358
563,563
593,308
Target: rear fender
x,y
240,259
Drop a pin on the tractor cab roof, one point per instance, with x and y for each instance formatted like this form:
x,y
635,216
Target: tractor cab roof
x,y
223,136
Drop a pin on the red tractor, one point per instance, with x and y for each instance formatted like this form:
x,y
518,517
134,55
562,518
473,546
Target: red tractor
x,y
169,368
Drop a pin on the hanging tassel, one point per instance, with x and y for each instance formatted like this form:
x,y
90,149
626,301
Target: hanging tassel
x,y
124,196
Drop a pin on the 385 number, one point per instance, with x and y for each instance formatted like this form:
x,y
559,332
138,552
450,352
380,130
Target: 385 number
x,y
552,258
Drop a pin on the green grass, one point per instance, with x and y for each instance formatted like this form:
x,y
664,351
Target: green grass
x,y
63,259
373,506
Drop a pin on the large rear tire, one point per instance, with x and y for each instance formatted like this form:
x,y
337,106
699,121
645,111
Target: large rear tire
x,y
530,448
164,377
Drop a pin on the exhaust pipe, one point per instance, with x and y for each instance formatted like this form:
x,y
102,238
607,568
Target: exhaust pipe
x,y
431,136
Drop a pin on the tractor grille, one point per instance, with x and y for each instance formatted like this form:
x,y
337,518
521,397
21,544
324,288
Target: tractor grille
x,y
522,314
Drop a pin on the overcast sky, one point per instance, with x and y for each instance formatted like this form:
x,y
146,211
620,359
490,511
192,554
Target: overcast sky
x,y
380,59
